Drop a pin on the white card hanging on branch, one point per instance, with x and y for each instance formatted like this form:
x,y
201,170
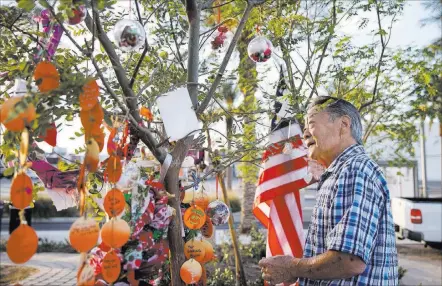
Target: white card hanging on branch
x,y
178,114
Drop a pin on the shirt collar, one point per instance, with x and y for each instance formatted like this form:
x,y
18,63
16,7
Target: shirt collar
x,y
350,151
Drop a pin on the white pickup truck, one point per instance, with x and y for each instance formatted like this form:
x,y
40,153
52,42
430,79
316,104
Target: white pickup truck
x,y
418,219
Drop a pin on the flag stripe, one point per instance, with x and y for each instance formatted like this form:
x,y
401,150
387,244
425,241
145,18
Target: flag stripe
x,y
278,223
273,240
282,169
289,226
283,133
278,148
296,215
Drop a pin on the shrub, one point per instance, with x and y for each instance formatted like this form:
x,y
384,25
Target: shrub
x,y
221,277
257,247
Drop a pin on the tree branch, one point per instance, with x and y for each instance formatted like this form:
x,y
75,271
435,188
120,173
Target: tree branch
x,y
193,16
330,36
378,71
226,59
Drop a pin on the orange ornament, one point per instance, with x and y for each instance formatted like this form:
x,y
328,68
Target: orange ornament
x,y
202,201
194,217
16,114
191,271
98,136
111,267
195,249
91,119
22,244
92,157
86,275
114,202
115,232
21,191
83,234
145,112
114,169
51,135
208,251
89,97
46,76
207,228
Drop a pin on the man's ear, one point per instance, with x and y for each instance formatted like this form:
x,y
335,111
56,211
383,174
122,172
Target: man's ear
x,y
346,122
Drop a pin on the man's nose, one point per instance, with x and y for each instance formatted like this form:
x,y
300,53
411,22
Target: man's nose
x,y
306,134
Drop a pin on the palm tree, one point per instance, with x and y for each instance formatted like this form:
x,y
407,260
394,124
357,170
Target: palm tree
x,y
229,92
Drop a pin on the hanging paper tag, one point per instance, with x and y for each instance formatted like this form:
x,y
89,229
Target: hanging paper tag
x,y
165,167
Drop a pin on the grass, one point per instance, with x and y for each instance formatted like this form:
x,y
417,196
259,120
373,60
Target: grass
x,y
45,245
11,274
44,208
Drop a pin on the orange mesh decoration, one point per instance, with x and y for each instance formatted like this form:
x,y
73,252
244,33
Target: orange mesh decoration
x,y
115,233
16,114
22,244
194,217
114,202
46,76
191,271
92,158
98,135
202,201
114,169
91,119
89,97
21,191
208,251
83,234
195,249
111,267
51,135
86,275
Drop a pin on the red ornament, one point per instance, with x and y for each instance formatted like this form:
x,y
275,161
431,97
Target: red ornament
x,y
51,135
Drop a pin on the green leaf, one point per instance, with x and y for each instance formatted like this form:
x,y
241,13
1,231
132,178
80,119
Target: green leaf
x,y
9,172
27,5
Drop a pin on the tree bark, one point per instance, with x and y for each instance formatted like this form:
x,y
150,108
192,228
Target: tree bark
x,y
229,171
176,242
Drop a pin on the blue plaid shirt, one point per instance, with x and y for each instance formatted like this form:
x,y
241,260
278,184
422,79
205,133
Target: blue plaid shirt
x,y
353,215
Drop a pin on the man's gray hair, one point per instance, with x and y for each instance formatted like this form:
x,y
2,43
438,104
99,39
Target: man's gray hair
x,y
337,107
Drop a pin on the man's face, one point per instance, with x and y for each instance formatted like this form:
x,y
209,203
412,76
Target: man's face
x,y
321,134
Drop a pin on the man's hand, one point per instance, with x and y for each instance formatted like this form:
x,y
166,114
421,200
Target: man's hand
x,y
279,269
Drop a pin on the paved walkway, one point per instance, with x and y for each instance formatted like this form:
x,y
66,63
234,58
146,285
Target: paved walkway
x,y
55,269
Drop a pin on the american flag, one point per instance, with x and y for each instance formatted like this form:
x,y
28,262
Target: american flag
x,y
284,171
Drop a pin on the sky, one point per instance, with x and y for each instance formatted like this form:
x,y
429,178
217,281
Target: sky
x,y
407,31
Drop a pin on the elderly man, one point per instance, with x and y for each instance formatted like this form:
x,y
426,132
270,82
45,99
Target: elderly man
x,y
351,238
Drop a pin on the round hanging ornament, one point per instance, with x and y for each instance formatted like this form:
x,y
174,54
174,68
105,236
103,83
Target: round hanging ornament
x,y
220,39
260,49
22,244
111,267
83,234
114,202
16,113
129,35
218,212
191,271
208,251
21,191
194,217
115,232
195,249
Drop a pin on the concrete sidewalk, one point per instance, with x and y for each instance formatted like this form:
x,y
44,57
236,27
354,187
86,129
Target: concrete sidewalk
x,y
55,269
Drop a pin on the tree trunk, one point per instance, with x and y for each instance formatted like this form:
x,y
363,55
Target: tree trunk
x,y
247,217
249,172
176,241
229,171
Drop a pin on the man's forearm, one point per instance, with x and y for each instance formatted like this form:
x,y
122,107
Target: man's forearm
x,y
328,266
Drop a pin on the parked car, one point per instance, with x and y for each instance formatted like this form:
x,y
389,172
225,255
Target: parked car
x,y
418,219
